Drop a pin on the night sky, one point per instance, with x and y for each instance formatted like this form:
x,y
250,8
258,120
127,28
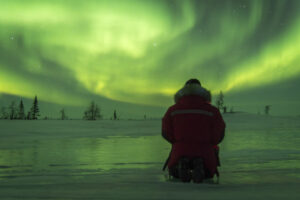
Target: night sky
x,y
142,52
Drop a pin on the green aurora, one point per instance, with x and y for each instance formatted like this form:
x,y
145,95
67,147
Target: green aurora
x,y
142,52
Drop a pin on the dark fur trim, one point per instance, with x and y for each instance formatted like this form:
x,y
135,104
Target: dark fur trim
x,y
193,89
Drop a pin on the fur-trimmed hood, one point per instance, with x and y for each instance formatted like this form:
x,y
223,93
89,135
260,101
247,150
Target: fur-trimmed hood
x,y
193,89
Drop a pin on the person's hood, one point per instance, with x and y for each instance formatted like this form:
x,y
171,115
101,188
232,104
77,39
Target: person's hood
x,y
193,89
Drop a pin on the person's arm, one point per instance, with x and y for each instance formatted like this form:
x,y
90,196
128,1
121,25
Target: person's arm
x,y
218,129
167,130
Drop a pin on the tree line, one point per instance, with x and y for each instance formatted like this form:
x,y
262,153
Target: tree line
x,y
17,112
222,107
14,111
93,111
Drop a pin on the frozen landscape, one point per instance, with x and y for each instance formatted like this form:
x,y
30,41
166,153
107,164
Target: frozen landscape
x,y
75,159
131,60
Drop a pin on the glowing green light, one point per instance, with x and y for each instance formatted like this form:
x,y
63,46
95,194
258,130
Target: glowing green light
x,y
141,51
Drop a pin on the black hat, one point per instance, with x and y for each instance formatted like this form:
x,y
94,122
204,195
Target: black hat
x,y
193,81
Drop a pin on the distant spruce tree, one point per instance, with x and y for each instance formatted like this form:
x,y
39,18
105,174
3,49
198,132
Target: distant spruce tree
x,y
63,114
97,114
35,109
12,111
115,115
267,109
21,114
220,101
93,112
224,109
28,117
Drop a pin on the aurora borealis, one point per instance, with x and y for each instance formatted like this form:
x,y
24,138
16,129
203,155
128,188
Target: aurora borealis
x,y
142,52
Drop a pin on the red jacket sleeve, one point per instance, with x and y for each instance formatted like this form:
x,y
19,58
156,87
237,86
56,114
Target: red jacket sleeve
x,y
218,129
167,128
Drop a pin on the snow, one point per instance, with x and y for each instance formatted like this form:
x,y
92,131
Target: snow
x,y
75,159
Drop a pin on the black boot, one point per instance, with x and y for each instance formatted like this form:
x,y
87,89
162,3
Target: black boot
x,y
184,169
198,170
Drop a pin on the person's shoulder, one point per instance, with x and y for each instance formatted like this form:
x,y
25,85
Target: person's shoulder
x,y
170,109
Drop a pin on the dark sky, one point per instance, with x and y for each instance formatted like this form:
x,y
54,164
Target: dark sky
x,y
142,52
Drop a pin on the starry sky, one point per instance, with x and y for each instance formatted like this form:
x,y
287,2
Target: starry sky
x,y
141,52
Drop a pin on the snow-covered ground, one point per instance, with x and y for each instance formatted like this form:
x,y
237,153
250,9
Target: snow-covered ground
x,y
76,159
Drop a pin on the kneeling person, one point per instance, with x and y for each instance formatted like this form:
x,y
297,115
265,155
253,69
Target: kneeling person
x,y
194,128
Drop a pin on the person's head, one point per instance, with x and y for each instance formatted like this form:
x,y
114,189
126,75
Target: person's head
x,y
193,87
193,81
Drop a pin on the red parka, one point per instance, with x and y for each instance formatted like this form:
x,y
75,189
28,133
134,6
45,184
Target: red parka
x,y
193,126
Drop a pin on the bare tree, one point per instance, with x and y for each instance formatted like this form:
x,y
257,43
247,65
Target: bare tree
x,y
4,113
220,101
93,112
12,111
